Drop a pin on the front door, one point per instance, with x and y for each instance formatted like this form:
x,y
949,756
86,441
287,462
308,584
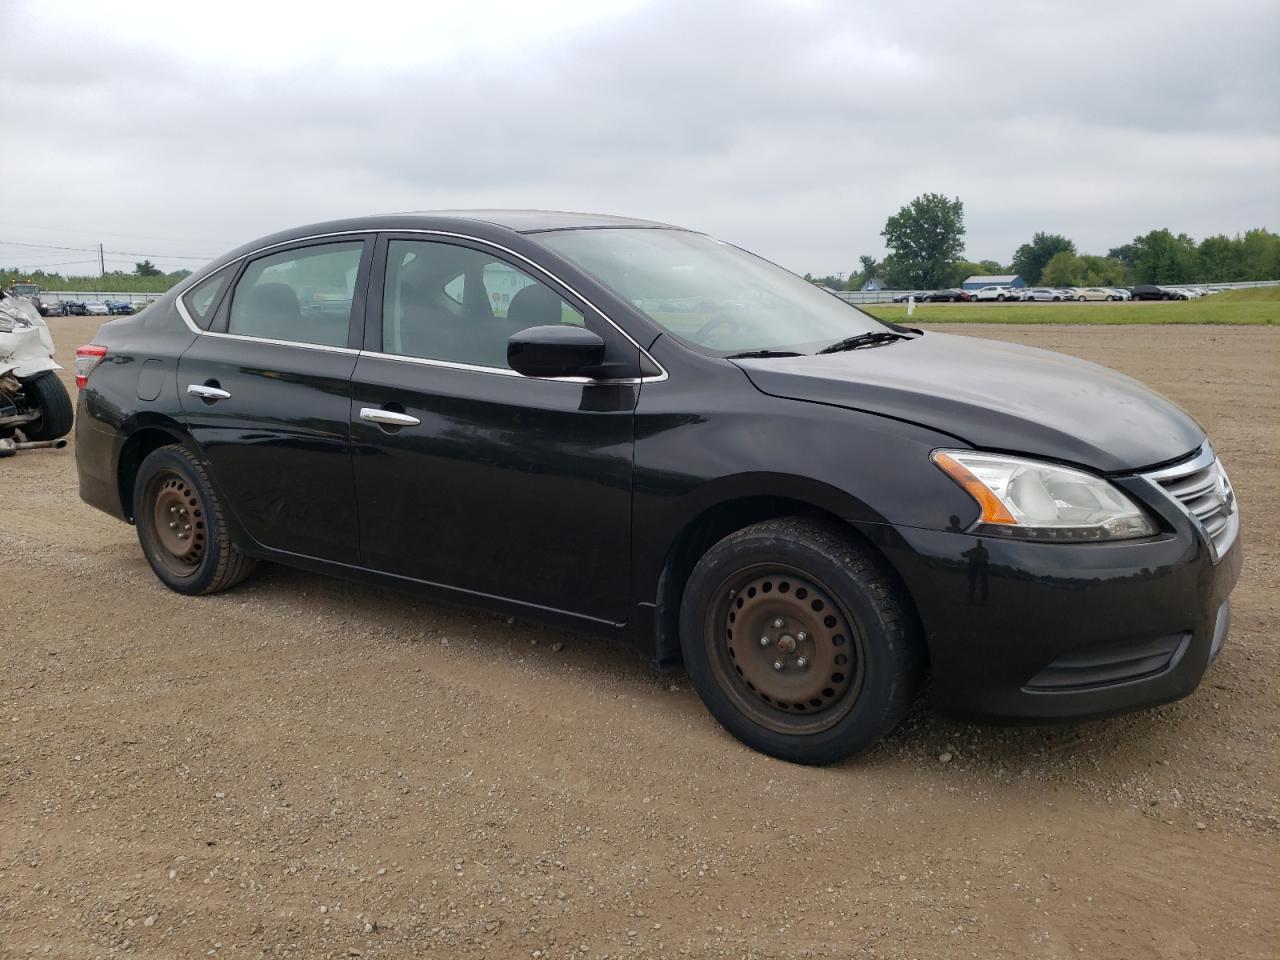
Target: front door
x,y
470,475
266,394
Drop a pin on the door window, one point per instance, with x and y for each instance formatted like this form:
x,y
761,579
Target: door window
x,y
446,302
302,295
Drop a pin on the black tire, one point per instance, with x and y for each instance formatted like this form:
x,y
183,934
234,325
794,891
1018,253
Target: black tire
x,y
1001,297
173,481
878,665
46,394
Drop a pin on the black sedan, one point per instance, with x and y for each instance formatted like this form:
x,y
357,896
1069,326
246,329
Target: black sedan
x,y
809,507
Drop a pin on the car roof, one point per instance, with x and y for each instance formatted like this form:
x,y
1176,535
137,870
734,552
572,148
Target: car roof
x,y
533,221
485,224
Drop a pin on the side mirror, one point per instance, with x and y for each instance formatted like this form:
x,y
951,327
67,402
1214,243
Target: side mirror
x,y
558,350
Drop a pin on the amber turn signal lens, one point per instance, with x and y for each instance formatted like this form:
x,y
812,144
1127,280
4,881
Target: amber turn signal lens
x,y
993,510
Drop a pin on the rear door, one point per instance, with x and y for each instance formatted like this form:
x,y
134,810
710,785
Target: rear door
x,y
266,394
484,480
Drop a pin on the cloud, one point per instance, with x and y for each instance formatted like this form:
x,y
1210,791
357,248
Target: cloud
x,y
791,128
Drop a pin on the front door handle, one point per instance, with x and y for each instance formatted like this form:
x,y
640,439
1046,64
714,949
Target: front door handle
x,y
389,418
205,392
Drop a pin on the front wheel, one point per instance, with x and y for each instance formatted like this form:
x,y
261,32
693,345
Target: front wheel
x,y
48,397
799,642
182,526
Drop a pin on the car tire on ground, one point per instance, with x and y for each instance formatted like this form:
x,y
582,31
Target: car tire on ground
x,y
181,525
1000,297
46,394
798,640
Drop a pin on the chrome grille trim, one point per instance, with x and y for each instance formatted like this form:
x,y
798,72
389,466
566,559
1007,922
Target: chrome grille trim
x,y
1200,488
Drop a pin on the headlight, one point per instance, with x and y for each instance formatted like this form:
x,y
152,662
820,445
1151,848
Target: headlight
x,y
1042,501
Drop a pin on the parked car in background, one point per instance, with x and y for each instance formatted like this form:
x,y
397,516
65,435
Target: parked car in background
x,y
917,295
1177,293
74,308
119,307
1096,293
96,308
1043,294
947,296
1124,293
1149,291
571,457
991,293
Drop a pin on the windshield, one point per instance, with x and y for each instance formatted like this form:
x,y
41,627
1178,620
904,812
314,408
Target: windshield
x,y
711,294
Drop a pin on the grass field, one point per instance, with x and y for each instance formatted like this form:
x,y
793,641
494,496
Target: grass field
x,y
1256,305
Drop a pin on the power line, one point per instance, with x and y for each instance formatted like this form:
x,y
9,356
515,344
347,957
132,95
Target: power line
x,y
109,233
121,253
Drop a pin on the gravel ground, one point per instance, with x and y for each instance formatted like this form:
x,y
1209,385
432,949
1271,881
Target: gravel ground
x,y
303,767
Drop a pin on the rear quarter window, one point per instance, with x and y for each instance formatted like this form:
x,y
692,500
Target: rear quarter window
x,y
201,299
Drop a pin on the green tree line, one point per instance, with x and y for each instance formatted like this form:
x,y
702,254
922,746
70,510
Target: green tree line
x,y
925,240
145,278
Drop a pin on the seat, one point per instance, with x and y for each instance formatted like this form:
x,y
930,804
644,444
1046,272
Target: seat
x,y
534,306
269,310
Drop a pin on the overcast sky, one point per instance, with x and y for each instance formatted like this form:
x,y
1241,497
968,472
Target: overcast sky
x,y
792,127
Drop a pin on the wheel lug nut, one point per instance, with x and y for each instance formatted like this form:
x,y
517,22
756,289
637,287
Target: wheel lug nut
x,y
764,641
778,664
778,623
801,662
173,525
801,637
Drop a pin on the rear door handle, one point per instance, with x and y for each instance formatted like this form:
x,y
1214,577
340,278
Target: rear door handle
x,y
389,418
206,392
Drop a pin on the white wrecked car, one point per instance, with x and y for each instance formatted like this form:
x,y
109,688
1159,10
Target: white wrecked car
x,y
33,400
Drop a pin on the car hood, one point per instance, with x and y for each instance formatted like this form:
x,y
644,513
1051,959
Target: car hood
x,y
993,395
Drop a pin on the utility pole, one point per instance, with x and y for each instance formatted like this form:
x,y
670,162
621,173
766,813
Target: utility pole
x,y
102,263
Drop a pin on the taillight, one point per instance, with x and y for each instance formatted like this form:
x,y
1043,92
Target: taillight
x,y
87,358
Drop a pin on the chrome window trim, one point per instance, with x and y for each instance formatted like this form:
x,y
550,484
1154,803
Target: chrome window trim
x,y
426,361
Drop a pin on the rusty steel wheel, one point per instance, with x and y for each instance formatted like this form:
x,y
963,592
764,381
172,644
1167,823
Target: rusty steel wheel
x,y
783,650
178,522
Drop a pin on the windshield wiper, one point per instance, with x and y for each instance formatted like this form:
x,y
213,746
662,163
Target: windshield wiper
x,y
758,354
864,340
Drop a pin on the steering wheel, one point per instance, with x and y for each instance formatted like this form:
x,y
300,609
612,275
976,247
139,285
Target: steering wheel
x,y
714,324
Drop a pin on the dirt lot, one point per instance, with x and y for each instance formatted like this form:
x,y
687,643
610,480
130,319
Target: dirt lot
x,y
306,768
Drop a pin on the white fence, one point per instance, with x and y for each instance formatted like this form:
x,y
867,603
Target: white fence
x,y
99,296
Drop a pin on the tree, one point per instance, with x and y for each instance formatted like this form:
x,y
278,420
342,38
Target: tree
x,y
146,269
1064,269
1029,259
1260,255
870,270
1160,257
924,238
991,268
1127,254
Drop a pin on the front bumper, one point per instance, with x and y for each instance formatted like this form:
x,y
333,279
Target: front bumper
x,y
1036,631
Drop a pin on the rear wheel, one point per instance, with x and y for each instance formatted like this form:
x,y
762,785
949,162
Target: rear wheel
x,y
181,525
798,642
47,396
